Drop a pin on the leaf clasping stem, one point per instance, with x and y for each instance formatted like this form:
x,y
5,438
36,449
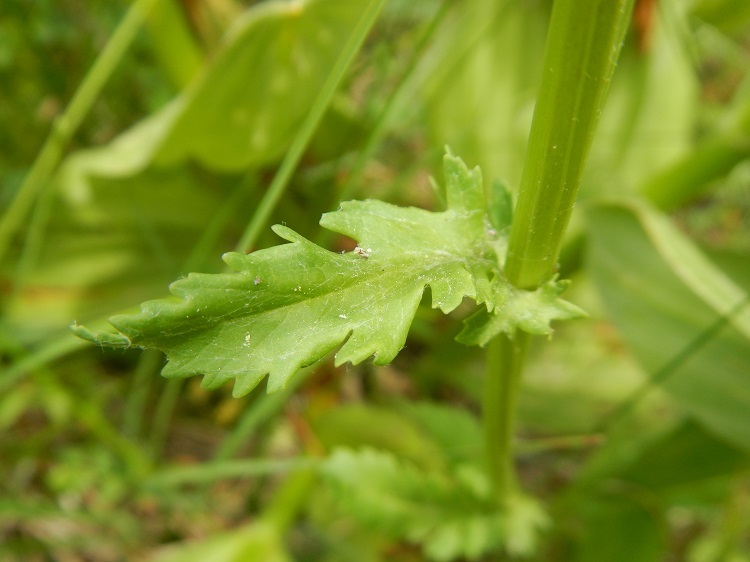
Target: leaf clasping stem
x,y
583,44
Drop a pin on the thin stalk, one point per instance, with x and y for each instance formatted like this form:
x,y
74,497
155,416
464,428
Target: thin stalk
x,y
67,124
309,125
254,416
384,117
148,365
505,360
582,48
163,415
34,241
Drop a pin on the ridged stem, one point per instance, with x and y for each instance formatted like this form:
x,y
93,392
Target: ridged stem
x,y
583,43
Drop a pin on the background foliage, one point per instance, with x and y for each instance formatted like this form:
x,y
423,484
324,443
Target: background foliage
x,y
634,426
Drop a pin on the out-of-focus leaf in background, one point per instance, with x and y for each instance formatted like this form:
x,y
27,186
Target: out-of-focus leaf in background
x,y
662,317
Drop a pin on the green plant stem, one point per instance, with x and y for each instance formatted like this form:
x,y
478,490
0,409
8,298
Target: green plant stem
x,y
582,47
67,124
581,51
505,360
308,127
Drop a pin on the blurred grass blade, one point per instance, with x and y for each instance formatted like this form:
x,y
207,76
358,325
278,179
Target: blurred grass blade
x,y
310,123
210,472
67,124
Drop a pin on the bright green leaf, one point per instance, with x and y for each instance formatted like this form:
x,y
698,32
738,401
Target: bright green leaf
x,y
292,304
530,311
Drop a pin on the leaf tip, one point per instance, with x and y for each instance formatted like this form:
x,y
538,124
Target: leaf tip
x,y
286,233
464,189
103,339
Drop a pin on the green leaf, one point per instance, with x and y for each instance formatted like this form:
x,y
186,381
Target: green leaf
x,y
450,515
292,304
530,311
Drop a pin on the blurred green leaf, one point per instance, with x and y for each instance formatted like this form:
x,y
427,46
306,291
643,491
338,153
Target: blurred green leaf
x,y
694,269
114,242
365,425
685,455
620,530
245,108
259,541
449,515
664,320
456,431
483,76
650,115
